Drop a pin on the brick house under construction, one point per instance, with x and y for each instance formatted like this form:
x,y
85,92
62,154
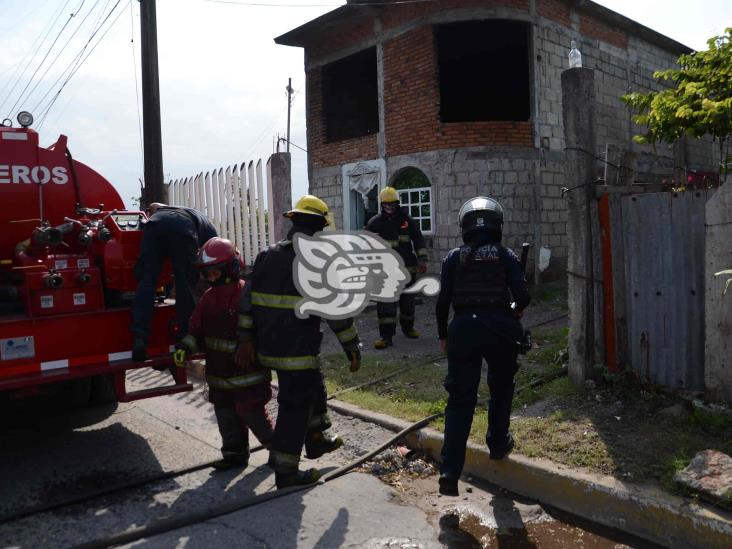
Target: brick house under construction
x,y
447,99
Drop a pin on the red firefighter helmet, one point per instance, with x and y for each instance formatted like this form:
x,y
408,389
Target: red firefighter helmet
x,y
220,253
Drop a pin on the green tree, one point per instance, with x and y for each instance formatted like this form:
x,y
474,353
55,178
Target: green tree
x,y
698,101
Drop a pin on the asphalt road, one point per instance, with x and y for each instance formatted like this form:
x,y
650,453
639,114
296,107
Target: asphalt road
x,y
48,455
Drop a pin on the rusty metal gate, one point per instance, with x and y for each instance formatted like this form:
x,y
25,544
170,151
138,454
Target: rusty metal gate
x,y
658,252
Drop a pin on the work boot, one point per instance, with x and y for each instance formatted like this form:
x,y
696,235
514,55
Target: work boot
x,y
296,478
411,333
383,343
230,462
500,453
448,485
318,443
139,350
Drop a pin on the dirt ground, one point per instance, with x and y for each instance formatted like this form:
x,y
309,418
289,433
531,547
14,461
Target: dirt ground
x,y
618,427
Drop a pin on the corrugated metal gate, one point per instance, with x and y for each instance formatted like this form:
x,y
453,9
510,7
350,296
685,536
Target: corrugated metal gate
x,y
662,249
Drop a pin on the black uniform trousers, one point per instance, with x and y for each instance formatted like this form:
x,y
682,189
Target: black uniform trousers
x,y
302,408
471,338
387,313
171,237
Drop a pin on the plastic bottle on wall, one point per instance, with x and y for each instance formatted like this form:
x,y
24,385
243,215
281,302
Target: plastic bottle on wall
x,y
575,57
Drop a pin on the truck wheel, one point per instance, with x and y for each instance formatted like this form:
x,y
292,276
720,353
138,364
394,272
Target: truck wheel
x,y
78,392
102,389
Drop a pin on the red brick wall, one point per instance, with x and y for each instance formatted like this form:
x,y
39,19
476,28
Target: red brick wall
x,y
556,10
324,154
402,13
411,92
589,26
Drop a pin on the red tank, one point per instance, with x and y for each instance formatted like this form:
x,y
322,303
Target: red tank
x,y
68,249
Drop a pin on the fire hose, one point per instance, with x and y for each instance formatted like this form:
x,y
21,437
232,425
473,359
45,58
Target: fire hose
x,y
168,524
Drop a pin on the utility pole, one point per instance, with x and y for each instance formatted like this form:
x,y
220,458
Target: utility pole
x,y
154,190
289,108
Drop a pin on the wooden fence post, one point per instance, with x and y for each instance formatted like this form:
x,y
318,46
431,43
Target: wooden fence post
x,y
578,105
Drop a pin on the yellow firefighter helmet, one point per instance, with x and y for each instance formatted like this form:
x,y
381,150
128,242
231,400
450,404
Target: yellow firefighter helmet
x,y
389,194
310,205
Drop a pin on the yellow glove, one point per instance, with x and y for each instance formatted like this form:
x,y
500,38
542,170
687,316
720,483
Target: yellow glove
x,y
179,358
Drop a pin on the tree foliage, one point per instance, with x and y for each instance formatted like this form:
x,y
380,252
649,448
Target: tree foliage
x,y
698,101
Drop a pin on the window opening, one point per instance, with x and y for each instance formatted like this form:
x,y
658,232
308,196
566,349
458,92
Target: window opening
x,y
484,71
415,196
350,96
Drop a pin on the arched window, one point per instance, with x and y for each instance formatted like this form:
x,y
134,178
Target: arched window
x,y
415,194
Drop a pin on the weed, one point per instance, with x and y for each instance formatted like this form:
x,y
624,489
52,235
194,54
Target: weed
x,y
550,294
712,422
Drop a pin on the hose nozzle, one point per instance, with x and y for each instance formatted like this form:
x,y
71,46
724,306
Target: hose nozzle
x,y
53,281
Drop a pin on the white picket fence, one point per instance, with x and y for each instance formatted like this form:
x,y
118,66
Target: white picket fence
x,y
233,199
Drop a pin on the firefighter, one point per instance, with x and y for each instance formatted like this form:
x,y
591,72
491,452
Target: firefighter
x,y
403,234
486,286
239,396
291,345
175,232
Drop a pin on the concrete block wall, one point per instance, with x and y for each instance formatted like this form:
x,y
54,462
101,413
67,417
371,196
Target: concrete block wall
x,y
519,163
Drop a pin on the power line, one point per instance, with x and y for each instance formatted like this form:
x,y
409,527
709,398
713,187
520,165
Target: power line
x,y
78,66
68,41
268,5
39,41
137,95
75,59
48,52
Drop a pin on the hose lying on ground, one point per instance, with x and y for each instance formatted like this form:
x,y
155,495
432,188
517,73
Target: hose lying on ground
x,y
160,526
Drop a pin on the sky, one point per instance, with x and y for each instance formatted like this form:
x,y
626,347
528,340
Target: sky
x,y
222,78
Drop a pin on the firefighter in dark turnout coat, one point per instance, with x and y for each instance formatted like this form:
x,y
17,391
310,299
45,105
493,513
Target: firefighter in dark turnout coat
x,y
271,333
239,395
403,234
481,280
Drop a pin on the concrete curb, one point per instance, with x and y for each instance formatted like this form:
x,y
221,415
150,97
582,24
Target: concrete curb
x,y
643,511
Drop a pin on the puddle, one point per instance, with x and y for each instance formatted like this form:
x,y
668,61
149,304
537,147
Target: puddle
x,y
463,528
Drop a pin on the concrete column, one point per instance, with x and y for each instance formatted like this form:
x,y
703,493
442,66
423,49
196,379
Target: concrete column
x,y
578,105
718,307
280,168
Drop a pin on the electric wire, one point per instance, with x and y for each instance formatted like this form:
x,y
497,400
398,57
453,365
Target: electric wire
x,y
35,48
79,65
48,52
68,41
278,5
80,60
137,94
72,63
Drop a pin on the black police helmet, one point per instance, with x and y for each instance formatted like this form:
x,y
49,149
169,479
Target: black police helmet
x,y
481,214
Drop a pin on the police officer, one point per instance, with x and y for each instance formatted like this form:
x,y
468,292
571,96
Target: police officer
x,y
481,280
271,333
403,234
175,232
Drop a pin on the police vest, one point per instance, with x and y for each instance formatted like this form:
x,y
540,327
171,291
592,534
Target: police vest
x,y
481,282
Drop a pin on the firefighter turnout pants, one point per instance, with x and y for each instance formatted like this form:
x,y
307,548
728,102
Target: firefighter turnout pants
x,y
471,339
302,412
234,422
387,314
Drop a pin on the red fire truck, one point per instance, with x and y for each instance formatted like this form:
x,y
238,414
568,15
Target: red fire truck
x,y
68,248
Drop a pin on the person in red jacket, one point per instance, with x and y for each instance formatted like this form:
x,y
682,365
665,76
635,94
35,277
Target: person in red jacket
x,y
239,395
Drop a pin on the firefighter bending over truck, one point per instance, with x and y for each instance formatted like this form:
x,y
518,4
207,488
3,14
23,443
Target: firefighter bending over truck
x,y
403,234
175,232
239,395
271,333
